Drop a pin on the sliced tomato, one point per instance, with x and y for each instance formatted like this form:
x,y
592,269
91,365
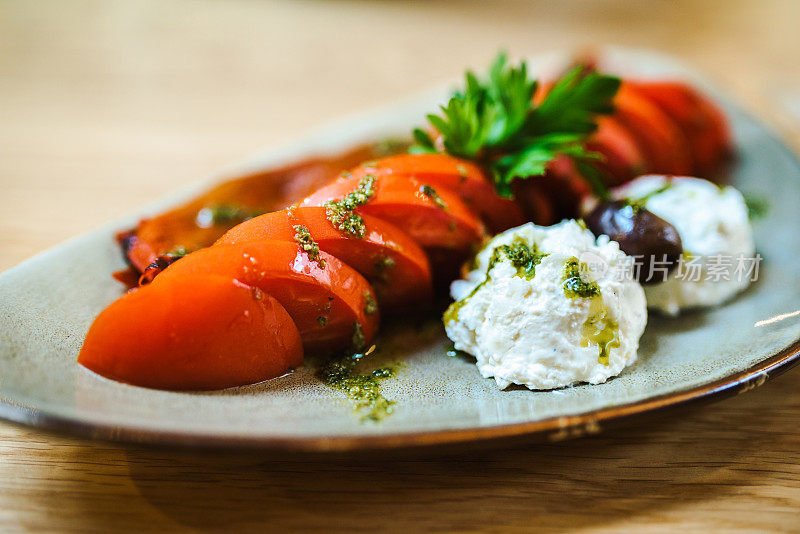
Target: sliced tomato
x,y
195,332
188,228
436,219
661,141
462,177
330,303
702,122
622,157
393,263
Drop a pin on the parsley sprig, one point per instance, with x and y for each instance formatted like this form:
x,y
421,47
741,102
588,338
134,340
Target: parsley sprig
x,y
495,122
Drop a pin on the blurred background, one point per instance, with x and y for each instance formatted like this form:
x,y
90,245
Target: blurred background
x,y
105,105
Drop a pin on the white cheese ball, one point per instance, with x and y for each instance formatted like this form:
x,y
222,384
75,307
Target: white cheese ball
x,y
716,235
528,331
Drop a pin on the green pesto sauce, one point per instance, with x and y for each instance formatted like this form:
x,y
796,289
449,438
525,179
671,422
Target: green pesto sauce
x,y
757,207
601,330
638,204
383,268
177,252
525,258
390,146
434,197
574,286
359,342
370,306
522,256
222,214
341,213
308,245
363,389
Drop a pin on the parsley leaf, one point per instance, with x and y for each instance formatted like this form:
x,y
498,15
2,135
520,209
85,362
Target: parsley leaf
x,y
495,123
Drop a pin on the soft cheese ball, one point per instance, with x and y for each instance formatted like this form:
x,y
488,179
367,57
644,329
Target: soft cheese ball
x,y
547,307
719,252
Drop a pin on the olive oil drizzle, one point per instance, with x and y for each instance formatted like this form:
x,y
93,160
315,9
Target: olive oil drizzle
x,y
599,328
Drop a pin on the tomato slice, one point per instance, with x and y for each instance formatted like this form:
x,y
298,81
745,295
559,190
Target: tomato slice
x,y
331,304
662,142
393,263
701,121
622,157
203,220
195,332
433,218
462,177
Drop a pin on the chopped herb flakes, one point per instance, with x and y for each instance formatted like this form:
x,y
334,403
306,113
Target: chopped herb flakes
x,y
639,203
522,256
222,214
434,197
382,267
322,321
757,207
370,306
341,213
308,245
363,389
177,252
574,284
525,258
359,342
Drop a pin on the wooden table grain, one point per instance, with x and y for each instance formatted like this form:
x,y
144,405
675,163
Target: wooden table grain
x,y
106,105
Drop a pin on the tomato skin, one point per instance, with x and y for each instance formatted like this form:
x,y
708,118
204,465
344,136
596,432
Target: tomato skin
x,y
462,177
663,144
194,333
400,201
701,121
622,158
391,261
308,291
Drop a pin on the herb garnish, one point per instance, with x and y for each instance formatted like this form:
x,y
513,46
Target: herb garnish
x,y
494,122
370,306
757,207
308,245
341,213
358,339
525,258
574,284
362,388
224,214
434,197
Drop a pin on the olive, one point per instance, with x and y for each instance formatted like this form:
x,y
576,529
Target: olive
x,y
653,242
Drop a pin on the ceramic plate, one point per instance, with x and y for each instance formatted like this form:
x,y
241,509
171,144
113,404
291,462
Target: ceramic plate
x,y
47,304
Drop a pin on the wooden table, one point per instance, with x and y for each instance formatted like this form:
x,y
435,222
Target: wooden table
x,y
106,105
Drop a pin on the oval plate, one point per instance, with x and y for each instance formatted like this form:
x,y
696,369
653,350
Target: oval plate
x,y
48,302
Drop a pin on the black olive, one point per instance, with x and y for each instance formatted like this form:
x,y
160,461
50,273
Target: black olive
x,y
653,242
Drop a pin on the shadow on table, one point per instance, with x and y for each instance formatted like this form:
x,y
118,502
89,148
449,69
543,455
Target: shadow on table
x,y
694,456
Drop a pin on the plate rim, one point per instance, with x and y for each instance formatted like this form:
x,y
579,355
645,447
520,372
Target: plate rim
x,y
549,429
